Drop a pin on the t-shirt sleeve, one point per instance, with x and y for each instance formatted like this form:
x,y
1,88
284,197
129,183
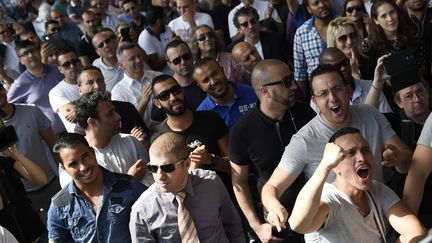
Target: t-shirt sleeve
x,y
291,160
145,43
384,196
57,100
237,147
426,134
42,120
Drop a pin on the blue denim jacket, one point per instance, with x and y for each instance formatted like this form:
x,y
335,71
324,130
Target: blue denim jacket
x,y
71,217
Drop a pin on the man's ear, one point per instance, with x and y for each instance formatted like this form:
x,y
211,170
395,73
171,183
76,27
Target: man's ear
x,y
398,102
157,103
91,122
187,163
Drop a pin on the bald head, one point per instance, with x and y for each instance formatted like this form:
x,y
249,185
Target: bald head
x,y
263,71
169,143
331,56
246,55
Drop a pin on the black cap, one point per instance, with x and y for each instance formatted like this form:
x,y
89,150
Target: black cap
x,y
405,78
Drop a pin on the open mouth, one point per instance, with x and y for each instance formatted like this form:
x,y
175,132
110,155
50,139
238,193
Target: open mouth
x,y
336,109
363,172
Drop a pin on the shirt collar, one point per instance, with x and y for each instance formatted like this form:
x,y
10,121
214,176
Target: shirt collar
x,y
357,91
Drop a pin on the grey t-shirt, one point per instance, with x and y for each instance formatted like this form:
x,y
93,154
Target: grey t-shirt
x,y
344,223
305,150
426,134
29,122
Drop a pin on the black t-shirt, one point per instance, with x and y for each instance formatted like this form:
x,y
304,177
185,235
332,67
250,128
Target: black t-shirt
x,y
130,117
207,127
85,48
17,216
255,139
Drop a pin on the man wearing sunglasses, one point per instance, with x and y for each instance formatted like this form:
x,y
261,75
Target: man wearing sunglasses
x,y
105,43
179,193
259,139
96,205
230,100
64,94
360,88
304,152
268,45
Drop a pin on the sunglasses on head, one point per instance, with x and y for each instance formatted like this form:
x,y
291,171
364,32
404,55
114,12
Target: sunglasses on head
x,y
287,81
206,36
168,168
246,23
106,41
68,64
165,95
185,57
351,35
358,8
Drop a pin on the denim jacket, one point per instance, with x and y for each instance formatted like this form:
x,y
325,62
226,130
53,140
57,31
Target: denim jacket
x,y
72,219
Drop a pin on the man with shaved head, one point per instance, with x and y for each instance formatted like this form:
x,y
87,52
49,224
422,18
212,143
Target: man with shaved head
x,y
180,195
359,87
247,57
260,137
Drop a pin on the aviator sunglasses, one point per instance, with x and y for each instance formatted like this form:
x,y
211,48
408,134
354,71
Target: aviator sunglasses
x,y
168,168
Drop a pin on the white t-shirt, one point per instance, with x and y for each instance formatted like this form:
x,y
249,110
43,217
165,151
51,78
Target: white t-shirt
x,y
62,94
118,156
112,75
345,224
260,6
6,236
181,28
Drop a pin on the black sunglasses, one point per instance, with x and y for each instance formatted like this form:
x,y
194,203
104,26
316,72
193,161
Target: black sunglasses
x,y
208,36
358,8
106,41
287,81
55,29
168,168
251,22
68,64
185,57
165,95
351,35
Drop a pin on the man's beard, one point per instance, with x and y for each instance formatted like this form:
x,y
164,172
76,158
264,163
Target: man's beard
x,y
172,112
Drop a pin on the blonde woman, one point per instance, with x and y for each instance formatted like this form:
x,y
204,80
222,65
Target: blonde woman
x,y
343,34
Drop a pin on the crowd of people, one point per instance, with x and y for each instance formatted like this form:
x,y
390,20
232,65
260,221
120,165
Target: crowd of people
x,y
216,121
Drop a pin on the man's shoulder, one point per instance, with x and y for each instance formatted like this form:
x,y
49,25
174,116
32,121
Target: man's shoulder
x,y
63,197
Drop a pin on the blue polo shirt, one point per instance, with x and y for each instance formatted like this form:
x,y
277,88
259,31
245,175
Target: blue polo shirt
x,y
244,100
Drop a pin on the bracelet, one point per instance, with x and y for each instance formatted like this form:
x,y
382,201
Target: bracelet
x,y
373,86
214,159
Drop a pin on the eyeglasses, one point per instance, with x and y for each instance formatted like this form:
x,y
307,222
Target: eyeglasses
x,y
336,90
185,57
165,95
251,22
287,81
411,97
27,52
351,35
206,36
69,64
168,168
351,9
106,41
55,30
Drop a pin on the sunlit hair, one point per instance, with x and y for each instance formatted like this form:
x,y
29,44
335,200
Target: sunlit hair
x,y
193,41
335,27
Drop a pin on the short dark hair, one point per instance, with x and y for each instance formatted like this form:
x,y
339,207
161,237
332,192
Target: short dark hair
x,y
159,79
128,1
91,67
126,45
344,131
153,14
173,44
68,140
23,44
50,21
62,52
326,68
86,106
244,11
202,61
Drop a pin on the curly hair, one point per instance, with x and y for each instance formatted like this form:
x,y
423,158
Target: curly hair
x,y
377,38
193,41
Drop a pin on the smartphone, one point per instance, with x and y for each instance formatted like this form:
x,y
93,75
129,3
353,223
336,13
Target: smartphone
x,y
125,34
